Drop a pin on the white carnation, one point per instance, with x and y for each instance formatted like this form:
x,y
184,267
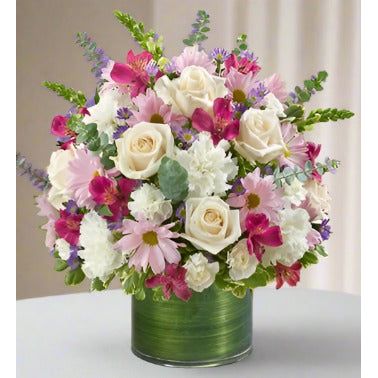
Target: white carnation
x,y
63,249
100,258
294,193
149,203
200,274
273,103
242,265
295,225
209,167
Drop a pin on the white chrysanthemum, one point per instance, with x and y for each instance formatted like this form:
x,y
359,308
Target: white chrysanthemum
x,y
100,258
295,225
209,167
242,265
319,198
149,203
294,193
63,249
200,274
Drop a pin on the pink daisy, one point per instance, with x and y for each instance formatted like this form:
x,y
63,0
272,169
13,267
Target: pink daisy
x,y
296,147
239,84
191,56
275,85
152,108
149,244
82,169
260,196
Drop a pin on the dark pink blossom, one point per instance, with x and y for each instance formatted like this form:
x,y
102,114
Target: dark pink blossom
x,y
173,280
260,234
313,151
243,65
289,274
68,226
133,72
115,195
222,125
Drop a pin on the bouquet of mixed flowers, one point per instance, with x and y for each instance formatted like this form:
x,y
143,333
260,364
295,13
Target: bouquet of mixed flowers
x,y
185,173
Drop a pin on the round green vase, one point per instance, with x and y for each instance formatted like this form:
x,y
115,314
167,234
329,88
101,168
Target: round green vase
x,y
213,328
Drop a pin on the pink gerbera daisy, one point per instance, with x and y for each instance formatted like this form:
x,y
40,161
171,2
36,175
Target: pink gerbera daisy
x,y
82,169
239,84
149,244
296,148
260,196
152,108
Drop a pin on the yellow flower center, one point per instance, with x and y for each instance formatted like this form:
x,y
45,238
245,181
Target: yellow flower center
x,y
287,152
238,95
156,118
253,200
150,238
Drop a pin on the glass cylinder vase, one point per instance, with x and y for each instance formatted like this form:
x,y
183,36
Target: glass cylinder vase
x,y
213,328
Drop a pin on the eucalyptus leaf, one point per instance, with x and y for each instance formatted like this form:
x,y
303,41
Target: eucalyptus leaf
x,y
74,277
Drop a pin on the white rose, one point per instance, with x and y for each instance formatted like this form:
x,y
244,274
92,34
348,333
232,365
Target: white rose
x,y
273,103
319,198
260,137
200,274
210,225
63,249
141,148
149,203
58,176
242,265
195,88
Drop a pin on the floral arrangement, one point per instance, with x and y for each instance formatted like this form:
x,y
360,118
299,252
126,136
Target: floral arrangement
x,y
183,173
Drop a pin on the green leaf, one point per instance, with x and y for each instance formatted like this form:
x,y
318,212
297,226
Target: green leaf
x,y
173,180
308,259
104,211
97,285
320,249
258,279
104,139
239,291
75,97
322,75
295,111
60,264
74,277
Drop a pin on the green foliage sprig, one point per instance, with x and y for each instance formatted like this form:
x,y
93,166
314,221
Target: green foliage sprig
x,y
146,40
74,97
241,42
313,84
288,174
322,115
200,28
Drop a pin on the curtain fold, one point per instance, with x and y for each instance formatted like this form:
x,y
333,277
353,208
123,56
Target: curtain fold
x,y
297,38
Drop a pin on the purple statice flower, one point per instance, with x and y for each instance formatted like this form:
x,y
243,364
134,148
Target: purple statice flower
x,y
325,229
170,68
72,261
237,187
186,136
267,170
258,93
120,130
95,55
38,177
219,54
71,207
247,54
239,107
152,68
293,97
180,213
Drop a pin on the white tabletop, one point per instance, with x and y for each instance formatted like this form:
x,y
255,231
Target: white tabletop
x,y
296,333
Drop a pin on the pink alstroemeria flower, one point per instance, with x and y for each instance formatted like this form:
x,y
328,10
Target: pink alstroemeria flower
x,y
173,280
148,243
313,151
59,126
68,226
104,191
289,274
222,126
260,234
133,73
243,65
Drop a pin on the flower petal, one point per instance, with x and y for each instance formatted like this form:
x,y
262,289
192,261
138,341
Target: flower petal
x,y
122,74
202,121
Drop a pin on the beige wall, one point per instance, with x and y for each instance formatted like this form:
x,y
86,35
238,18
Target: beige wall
x,y
292,37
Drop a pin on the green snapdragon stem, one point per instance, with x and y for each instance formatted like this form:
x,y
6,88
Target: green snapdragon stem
x,y
212,328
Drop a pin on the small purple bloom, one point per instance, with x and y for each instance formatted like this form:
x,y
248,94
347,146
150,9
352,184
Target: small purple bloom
x,y
325,229
72,260
152,68
120,130
71,207
180,213
186,136
239,107
257,94
238,188
170,68
219,54
123,114
248,55
294,97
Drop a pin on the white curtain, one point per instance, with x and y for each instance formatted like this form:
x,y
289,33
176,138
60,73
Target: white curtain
x,y
297,38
